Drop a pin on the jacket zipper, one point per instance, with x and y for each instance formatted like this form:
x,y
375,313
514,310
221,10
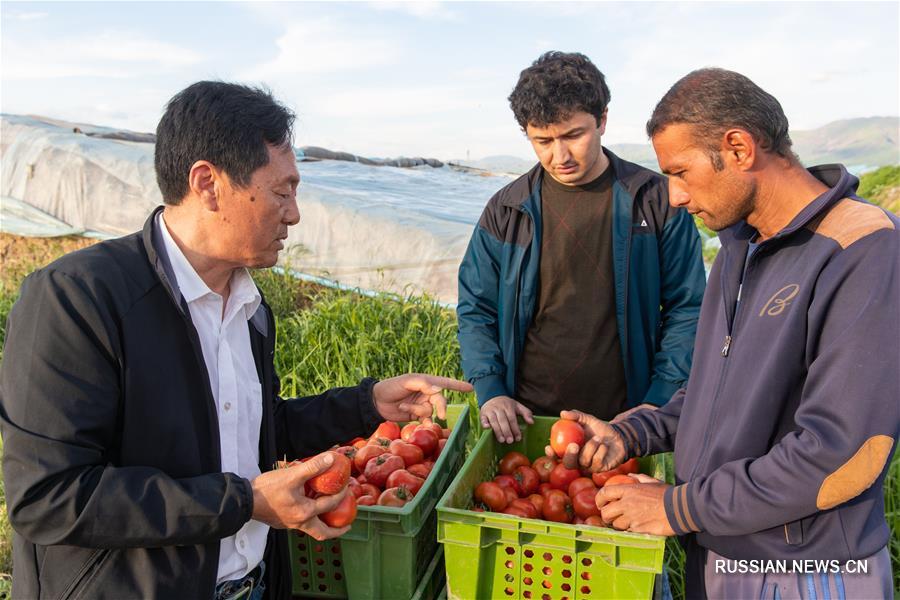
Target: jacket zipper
x,y
91,562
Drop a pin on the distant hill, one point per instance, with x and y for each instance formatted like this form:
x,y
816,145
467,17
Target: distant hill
x,y
861,144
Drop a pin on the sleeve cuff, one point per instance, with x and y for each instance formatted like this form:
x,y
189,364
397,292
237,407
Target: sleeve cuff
x,y
630,431
680,510
660,392
369,414
489,386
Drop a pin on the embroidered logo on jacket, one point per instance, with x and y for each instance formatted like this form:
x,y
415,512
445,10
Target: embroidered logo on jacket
x,y
780,300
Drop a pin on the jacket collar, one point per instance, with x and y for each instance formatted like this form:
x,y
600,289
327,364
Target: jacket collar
x,y
840,183
631,176
159,259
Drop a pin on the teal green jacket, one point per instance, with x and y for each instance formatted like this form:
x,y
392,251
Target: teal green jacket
x,y
659,278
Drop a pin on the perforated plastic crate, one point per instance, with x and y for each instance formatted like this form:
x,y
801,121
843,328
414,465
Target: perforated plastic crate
x,y
492,555
387,550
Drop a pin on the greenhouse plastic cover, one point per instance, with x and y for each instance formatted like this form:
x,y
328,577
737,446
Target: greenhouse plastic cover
x,y
377,228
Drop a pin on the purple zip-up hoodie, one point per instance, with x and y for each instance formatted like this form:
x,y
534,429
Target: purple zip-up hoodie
x,y
786,428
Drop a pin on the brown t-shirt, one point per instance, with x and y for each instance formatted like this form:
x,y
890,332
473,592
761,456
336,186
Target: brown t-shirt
x,y
572,358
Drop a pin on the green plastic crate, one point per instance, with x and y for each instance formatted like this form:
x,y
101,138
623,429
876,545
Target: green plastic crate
x,y
492,555
388,548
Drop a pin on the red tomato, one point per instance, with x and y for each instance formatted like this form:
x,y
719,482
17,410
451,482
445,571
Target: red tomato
x,y
510,494
602,477
561,477
511,461
367,489
429,424
563,433
585,504
361,479
594,521
389,430
397,496
620,480
379,441
582,483
359,443
521,508
349,452
420,470
425,439
343,514
491,495
367,500
408,429
334,479
577,521
406,479
365,454
544,488
527,479
558,507
445,432
440,447
410,453
544,465
378,469
538,502
509,481
629,466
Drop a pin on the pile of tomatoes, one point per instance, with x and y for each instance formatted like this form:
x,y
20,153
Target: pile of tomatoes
x,y
387,469
545,488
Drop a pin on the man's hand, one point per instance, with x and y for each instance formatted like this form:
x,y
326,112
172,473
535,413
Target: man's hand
x,y
414,396
638,508
500,413
603,449
279,499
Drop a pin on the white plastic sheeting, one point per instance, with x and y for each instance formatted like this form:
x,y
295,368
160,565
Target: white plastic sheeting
x,y
378,228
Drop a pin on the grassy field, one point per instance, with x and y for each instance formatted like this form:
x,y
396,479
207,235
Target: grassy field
x,y
329,338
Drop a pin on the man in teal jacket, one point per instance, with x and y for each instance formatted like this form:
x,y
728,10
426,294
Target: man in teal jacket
x,y
581,286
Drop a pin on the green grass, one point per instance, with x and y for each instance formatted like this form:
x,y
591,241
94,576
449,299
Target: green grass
x,y
329,338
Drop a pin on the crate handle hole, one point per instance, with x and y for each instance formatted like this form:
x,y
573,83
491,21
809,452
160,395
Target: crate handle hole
x,y
335,549
587,562
527,567
526,594
509,564
336,563
527,581
566,587
318,547
323,587
338,576
547,571
529,553
303,560
547,585
585,589
304,573
566,573
305,586
567,559
546,597
301,546
586,576
510,550
509,591
508,578
321,574
548,556
320,561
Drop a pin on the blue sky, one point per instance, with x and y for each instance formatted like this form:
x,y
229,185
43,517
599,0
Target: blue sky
x,y
385,79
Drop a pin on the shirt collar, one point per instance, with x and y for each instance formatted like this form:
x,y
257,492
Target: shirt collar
x,y
243,290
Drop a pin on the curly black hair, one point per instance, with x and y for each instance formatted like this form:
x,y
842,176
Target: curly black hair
x,y
556,85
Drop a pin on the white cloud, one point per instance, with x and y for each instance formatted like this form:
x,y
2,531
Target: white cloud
x,y
394,102
108,54
423,9
323,46
26,16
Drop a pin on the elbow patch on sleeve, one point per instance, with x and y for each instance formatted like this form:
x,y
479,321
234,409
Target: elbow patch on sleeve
x,y
857,474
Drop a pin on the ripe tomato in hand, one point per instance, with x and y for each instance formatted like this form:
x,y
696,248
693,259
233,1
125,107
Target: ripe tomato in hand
x,y
511,461
544,465
334,479
561,477
528,480
389,430
585,504
378,469
406,479
410,453
429,424
343,514
397,496
426,439
582,483
563,433
365,454
491,495
558,507
620,480
629,466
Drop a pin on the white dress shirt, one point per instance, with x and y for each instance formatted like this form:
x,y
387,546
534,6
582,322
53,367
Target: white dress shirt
x,y
225,340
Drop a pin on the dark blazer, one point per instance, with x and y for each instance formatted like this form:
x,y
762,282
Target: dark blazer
x,y
111,450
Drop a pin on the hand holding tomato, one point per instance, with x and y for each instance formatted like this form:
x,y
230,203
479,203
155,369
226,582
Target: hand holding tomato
x,y
413,396
279,499
603,449
638,507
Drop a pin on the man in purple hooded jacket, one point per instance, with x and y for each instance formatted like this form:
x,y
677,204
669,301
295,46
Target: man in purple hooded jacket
x,y
786,428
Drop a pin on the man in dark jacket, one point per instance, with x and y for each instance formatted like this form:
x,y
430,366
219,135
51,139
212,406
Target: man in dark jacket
x,y
138,400
786,428
581,285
